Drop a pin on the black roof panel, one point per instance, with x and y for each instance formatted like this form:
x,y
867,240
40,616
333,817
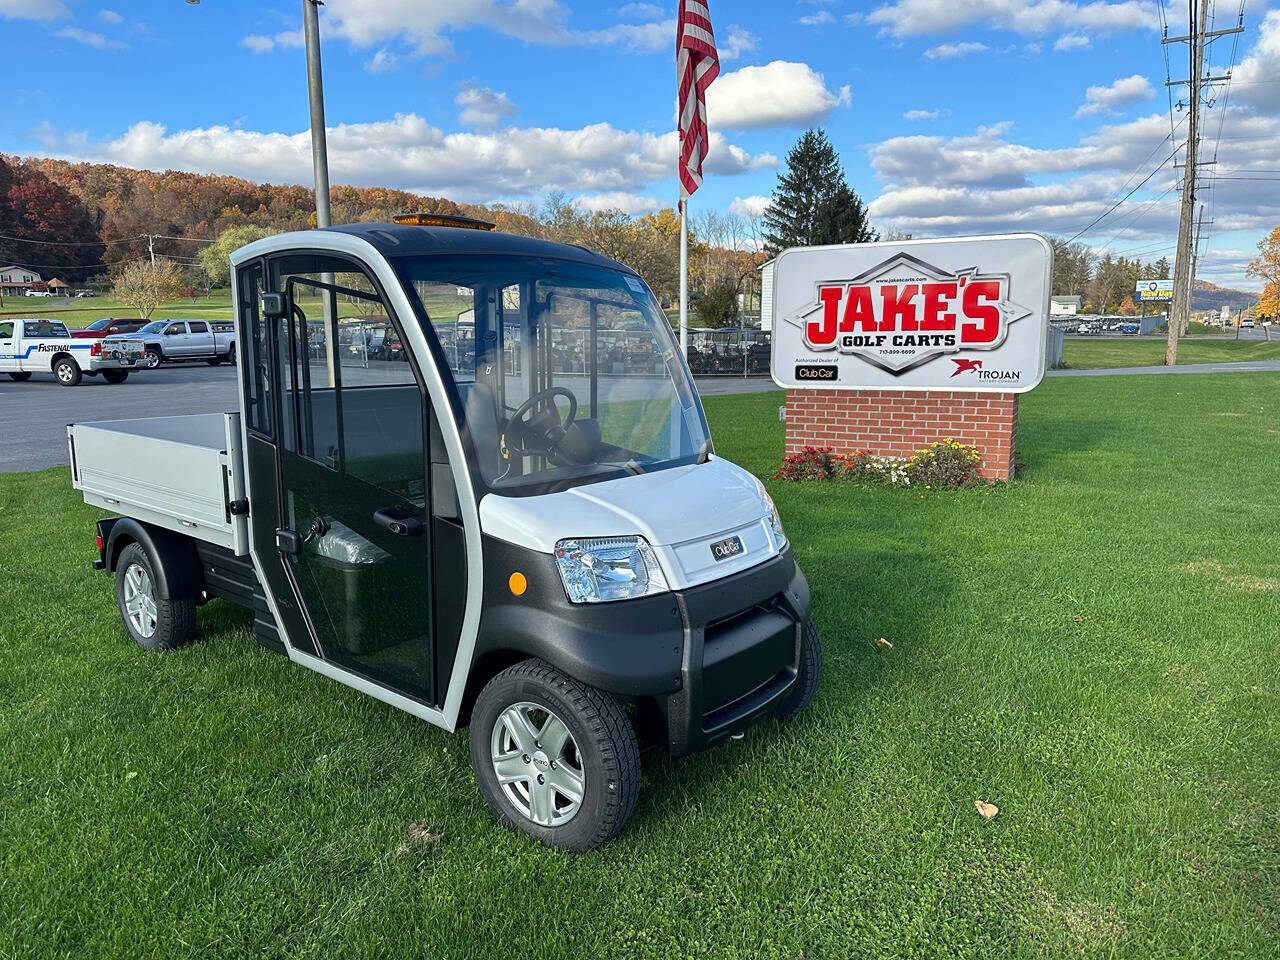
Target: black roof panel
x,y
394,240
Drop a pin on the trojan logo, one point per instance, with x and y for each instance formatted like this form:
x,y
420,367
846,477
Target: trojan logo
x,y
905,312
965,366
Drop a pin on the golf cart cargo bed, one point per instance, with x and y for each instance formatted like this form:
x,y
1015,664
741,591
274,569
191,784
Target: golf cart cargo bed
x,y
180,473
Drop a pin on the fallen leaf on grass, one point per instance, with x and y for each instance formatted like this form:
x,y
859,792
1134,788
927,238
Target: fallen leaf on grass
x,y
1078,619
985,810
421,833
883,644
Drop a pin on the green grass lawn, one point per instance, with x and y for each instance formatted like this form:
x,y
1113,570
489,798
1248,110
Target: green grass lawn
x,y
1093,649
79,313
1149,351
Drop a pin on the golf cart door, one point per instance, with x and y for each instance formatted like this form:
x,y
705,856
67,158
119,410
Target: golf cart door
x,y
350,557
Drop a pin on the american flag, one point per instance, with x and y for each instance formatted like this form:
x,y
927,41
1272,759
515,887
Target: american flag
x,y
696,66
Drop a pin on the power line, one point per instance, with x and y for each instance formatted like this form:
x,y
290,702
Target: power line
x,y
1141,183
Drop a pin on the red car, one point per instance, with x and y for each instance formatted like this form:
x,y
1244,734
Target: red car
x,y
107,326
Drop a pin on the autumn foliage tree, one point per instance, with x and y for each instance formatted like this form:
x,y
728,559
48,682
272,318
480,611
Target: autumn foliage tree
x,y
52,230
144,285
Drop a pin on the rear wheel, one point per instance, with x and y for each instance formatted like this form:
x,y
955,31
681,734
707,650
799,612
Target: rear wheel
x,y
214,361
20,377
67,371
553,758
153,623
115,376
152,358
809,677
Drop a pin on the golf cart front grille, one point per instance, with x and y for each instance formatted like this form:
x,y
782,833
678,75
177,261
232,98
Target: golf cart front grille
x,y
744,656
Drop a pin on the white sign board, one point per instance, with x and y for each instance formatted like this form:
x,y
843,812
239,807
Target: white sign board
x,y
967,313
1153,291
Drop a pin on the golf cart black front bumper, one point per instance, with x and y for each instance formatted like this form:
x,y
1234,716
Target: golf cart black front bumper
x,y
701,664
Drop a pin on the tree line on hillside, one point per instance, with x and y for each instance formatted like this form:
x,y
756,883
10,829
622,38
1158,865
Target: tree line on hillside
x,y
87,221
1106,282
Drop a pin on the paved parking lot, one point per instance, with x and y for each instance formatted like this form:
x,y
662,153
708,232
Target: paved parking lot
x,y
35,414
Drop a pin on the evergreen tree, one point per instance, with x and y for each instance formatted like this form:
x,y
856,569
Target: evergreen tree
x,y
813,203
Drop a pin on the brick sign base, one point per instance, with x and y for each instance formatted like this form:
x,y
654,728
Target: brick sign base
x,y
896,423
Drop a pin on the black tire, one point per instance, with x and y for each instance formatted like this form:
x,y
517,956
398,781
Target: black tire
x,y
115,376
809,678
231,354
67,372
175,618
603,744
214,361
22,377
153,358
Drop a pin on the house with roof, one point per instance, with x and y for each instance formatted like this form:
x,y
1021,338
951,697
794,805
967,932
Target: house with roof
x,y
15,281
1064,306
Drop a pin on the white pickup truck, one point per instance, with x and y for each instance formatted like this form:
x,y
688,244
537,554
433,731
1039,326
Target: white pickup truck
x,y
33,345
168,340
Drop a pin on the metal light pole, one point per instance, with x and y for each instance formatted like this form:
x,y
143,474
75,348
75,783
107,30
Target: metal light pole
x,y
315,91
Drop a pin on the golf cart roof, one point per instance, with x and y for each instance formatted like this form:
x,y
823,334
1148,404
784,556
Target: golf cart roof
x,y
395,240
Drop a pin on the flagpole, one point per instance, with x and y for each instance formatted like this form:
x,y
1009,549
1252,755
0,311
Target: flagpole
x,y
684,277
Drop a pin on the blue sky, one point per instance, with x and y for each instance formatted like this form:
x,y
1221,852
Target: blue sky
x,y
951,117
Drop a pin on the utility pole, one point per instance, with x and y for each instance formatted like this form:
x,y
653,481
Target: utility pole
x,y
1184,267
1195,265
315,90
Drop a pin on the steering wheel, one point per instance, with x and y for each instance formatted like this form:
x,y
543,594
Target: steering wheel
x,y
543,431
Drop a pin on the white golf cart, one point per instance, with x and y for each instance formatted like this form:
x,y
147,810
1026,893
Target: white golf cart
x,y
515,536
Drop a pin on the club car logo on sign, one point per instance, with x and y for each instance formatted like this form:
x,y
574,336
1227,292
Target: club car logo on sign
x,y
881,314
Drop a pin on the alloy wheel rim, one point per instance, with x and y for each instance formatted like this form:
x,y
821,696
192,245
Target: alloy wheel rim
x,y
153,360
538,764
64,373
139,600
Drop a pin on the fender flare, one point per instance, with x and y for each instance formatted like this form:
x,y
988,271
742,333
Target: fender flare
x,y
53,361
177,568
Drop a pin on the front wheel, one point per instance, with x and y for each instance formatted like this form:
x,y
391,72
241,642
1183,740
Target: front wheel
x,y
553,758
115,376
809,677
67,372
213,361
152,358
22,377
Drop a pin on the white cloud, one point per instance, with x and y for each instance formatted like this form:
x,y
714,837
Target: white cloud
x,y
735,43
922,115
33,9
781,93
1111,98
752,206
260,43
641,11
904,18
110,16
482,107
1071,41
817,19
1254,81
631,37
409,153
953,51
630,203
89,38
384,61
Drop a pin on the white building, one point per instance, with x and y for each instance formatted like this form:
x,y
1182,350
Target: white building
x,y
14,281
1064,306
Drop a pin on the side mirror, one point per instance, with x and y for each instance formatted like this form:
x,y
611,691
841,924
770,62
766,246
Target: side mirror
x,y
273,305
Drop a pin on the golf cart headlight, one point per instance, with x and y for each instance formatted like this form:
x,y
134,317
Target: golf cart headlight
x,y
609,568
771,517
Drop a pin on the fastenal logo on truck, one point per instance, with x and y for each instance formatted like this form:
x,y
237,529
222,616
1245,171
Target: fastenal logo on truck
x,y
886,314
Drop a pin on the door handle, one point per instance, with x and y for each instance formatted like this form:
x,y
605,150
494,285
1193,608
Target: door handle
x,y
399,521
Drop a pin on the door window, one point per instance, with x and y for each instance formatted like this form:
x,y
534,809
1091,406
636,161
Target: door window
x,y
175,329
6,329
257,366
354,469
198,327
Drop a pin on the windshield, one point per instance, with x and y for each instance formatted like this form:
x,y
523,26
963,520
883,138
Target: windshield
x,y
562,373
99,324
155,326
